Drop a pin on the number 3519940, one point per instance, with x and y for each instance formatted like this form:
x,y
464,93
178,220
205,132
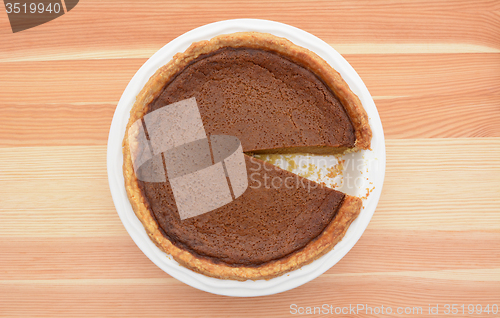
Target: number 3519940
x,y
471,309
33,8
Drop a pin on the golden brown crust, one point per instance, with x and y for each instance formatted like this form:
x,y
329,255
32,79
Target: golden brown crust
x,y
334,231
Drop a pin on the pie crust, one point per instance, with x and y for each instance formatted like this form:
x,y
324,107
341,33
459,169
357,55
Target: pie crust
x,y
317,247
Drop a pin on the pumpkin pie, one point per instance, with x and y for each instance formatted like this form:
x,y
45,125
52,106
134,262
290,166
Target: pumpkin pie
x,y
275,97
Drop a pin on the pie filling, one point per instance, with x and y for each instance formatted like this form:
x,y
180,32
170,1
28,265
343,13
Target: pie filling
x,y
277,215
269,102
272,105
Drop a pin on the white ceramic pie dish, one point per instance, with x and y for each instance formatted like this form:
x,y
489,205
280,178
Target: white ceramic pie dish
x,y
368,167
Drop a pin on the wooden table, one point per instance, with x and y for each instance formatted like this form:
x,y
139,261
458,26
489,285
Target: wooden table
x,y
433,68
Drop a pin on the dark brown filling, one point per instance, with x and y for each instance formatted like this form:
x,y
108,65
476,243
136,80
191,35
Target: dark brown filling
x,y
262,98
270,104
277,215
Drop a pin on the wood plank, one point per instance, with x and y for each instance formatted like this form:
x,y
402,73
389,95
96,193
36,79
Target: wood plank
x,y
436,116
103,81
53,124
132,298
94,28
72,102
441,184
410,48
77,83
472,275
147,50
64,188
440,116
49,185
39,258
420,75
415,252
392,252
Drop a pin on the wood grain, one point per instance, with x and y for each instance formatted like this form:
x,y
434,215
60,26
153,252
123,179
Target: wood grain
x,y
440,116
391,252
72,102
149,297
433,68
73,175
452,185
395,75
68,190
96,26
